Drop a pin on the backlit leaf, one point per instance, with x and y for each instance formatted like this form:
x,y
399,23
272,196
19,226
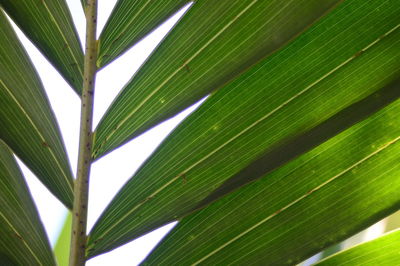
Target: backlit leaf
x,y
129,22
23,240
381,251
48,24
324,196
27,123
339,72
213,43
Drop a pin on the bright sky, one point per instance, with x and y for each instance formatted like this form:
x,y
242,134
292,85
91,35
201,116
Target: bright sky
x,y
111,172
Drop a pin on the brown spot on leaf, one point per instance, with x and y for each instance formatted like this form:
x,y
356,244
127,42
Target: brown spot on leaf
x,y
358,53
184,179
382,36
186,66
44,144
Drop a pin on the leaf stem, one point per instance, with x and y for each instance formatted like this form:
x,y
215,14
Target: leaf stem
x,y
81,189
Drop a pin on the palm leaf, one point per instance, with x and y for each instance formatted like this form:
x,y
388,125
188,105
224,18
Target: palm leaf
x,y
83,2
48,24
381,251
319,85
23,240
214,42
27,123
63,244
129,22
321,198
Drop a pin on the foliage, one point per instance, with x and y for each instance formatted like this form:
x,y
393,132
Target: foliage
x,y
295,148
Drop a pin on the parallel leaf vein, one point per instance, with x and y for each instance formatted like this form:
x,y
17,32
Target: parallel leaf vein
x,y
23,240
296,201
123,121
64,38
39,133
152,195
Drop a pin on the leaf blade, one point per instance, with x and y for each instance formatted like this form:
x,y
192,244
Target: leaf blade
x,y
49,25
129,23
23,239
209,47
28,124
236,125
317,200
62,246
380,251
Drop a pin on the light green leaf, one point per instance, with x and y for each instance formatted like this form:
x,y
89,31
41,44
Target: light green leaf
x,y
129,22
48,24
27,123
214,42
321,198
23,240
337,73
381,251
62,247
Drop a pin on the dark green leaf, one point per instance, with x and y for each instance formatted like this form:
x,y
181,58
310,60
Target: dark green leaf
x,y
321,198
381,251
83,2
215,42
48,24
23,240
129,22
292,148
345,64
27,123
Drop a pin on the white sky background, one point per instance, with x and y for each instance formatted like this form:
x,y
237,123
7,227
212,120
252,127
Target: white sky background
x,y
111,172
